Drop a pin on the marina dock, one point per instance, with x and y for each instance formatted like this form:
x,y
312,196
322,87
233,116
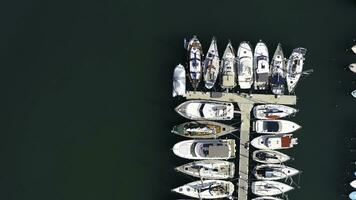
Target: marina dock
x,y
245,103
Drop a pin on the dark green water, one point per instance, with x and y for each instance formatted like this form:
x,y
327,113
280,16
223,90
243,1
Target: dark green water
x,y
86,92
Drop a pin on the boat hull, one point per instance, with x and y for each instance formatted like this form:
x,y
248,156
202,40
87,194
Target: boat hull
x,y
261,66
211,65
295,68
179,81
273,111
272,172
278,126
269,157
195,54
274,142
228,75
245,65
278,69
269,188
202,129
209,169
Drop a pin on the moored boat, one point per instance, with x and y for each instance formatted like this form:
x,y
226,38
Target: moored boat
x,y
202,129
273,111
195,54
179,81
205,149
353,184
269,188
245,65
267,198
272,172
352,195
278,72
273,142
206,110
209,169
228,75
295,67
206,189
269,156
275,126
352,67
353,48
261,66
211,65
353,93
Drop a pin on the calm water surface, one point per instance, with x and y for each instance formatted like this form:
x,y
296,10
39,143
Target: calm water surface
x,y
86,92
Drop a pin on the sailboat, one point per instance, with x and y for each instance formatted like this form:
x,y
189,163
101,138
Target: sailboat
x,y
202,129
295,67
269,157
206,110
278,72
273,111
269,188
228,75
275,126
209,169
179,81
261,66
205,149
273,142
245,65
272,172
211,65
352,67
195,54
206,189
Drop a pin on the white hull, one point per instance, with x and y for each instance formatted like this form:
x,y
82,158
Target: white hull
x,y
295,68
353,93
274,142
269,188
245,65
353,48
179,81
195,54
228,75
211,65
272,172
273,111
278,72
206,189
266,198
261,66
205,149
209,169
352,67
353,184
269,157
275,126
206,110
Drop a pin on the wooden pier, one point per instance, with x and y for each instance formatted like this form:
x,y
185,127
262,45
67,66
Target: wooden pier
x,y
245,103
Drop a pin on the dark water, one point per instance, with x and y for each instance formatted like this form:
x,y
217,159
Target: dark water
x,y
86,92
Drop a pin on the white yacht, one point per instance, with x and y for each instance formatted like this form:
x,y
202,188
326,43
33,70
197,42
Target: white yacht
x,y
206,189
352,67
353,184
261,66
269,188
195,54
211,65
278,72
273,142
245,65
271,172
353,48
353,93
228,62
206,110
266,198
209,169
205,149
202,129
295,67
269,157
179,81
275,126
273,111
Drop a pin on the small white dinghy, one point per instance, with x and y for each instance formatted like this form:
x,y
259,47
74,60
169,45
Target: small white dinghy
x,y
352,67
267,198
272,172
211,65
295,67
195,54
353,93
269,157
228,74
206,189
205,149
274,142
206,110
245,65
261,66
269,188
353,184
275,126
209,169
353,48
273,111
179,81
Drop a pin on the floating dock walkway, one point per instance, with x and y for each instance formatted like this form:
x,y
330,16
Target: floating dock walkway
x,y
245,103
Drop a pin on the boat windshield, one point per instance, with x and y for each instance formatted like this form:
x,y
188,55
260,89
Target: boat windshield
x,y
271,126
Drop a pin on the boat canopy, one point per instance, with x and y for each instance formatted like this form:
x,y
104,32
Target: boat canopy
x,y
271,126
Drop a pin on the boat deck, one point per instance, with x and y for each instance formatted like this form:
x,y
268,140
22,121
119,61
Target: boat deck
x,y
245,103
